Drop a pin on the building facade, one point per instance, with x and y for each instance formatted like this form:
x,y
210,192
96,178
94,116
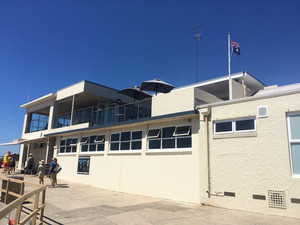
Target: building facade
x,y
192,144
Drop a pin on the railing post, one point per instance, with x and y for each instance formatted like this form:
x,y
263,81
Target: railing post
x,y
7,187
43,202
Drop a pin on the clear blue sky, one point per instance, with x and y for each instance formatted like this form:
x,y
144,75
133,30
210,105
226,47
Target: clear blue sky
x,y
48,45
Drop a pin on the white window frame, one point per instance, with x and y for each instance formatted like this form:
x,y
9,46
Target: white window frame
x,y
233,125
292,141
130,141
88,144
175,136
72,146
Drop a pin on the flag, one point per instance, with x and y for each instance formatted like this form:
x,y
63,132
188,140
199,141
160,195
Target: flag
x,y
235,48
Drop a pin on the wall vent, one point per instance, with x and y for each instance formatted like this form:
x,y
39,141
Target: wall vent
x,y
276,199
262,111
230,194
259,197
295,200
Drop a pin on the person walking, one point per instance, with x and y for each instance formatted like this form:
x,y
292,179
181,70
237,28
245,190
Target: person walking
x,y
41,171
52,173
30,164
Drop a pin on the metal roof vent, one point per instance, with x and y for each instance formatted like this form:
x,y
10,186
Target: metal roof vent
x,y
276,199
262,111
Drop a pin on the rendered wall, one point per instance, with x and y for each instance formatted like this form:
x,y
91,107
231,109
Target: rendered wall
x,y
251,163
166,174
173,102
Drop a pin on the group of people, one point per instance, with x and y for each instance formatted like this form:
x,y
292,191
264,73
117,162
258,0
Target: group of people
x,y
9,167
9,163
52,172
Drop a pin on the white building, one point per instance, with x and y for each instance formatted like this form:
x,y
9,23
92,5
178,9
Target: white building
x,y
192,144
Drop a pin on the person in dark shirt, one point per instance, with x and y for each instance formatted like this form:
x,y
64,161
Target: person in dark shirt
x,y
30,164
52,173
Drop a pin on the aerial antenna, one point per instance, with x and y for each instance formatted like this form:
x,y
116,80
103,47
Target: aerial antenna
x,y
197,38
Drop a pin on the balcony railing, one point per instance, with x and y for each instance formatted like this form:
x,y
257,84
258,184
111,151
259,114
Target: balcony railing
x,y
113,115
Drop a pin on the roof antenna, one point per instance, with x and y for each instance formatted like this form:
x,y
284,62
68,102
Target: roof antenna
x,y
197,38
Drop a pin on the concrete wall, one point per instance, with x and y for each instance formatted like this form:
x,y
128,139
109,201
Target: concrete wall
x,y
173,102
250,163
166,174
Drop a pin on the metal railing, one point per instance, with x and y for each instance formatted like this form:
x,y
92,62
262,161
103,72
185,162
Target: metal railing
x,y
12,194
98,117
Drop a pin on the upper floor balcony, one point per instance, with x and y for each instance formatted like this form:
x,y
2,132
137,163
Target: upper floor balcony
x,y
98,115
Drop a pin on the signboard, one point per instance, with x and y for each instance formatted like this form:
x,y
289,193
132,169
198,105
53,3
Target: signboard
x,y
83,165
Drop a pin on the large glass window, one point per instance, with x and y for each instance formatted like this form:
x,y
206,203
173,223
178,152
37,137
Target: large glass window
x,y
233,126
129,140
68,145
294,139
94,143
37,122
170,137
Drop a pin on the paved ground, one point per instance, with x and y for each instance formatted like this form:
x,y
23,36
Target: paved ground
x,y
74,203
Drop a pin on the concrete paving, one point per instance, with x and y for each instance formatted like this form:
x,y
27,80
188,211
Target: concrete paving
x,y
75,203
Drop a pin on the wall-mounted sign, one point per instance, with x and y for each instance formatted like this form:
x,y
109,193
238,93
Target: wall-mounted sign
x,y
83,165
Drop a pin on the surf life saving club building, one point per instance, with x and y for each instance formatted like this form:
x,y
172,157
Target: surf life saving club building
x,y
191,144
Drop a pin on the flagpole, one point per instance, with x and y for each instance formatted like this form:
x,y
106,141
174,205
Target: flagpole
x,y
230,83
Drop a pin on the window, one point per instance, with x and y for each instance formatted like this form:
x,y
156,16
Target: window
x,y
234,126
39,145
294,139
129,140
68,145
92,143
170,137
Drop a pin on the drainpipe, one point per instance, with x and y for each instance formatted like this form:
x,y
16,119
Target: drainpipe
x,y
206,113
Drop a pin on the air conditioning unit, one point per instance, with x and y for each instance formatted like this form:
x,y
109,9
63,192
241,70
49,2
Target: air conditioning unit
x,y
262,111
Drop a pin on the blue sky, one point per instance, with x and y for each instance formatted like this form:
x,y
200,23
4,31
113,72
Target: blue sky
x,y
48,45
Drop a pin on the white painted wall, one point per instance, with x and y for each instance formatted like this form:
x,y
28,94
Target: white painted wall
x,y
172,175
251,163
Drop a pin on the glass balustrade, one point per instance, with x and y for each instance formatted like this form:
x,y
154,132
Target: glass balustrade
x,y
112,115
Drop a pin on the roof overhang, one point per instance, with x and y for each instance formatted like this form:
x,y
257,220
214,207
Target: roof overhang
x,y
23,141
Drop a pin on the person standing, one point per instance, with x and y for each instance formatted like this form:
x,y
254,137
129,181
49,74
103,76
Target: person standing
x,y
12,168
52,173
6,162
41,171
30,164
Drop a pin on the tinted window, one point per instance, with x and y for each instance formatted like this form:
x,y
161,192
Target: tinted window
x,y
115,137
224,127
136,135
168,143
184,142
168,132
154,144
125,145
153,133
184,130
244,125
125,136
114,146
136,145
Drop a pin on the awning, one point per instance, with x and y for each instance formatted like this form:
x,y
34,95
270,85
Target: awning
x,y
22,141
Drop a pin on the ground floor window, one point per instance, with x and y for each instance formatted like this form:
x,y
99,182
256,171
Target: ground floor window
x,y
128,140
294,141
68,145
172,137
94,143
234,126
